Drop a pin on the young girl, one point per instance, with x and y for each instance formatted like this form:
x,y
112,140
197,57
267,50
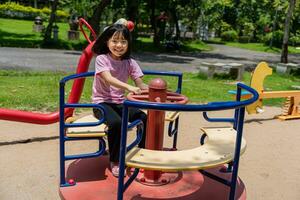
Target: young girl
x,y
113,67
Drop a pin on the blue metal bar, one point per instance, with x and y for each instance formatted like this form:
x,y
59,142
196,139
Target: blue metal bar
x,y
205,116
102,148
88,155
131,179
214,177
173,132
213,106
177,74
236,112
62,133
134,124
140,132
122,153
63,126
75,76
240,124
86,124
240,112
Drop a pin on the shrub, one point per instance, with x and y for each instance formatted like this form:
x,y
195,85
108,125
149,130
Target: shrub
x,y
225,27
295,40
277,38
229,36
244,39
16,11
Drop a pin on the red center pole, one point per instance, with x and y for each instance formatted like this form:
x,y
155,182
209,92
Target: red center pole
x,y
155,123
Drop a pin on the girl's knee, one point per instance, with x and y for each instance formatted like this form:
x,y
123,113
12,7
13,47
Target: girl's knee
x,y
116,123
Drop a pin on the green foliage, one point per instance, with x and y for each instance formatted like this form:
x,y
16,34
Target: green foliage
x,y
295,40
244,39
229,36
225,27
16,11
276,37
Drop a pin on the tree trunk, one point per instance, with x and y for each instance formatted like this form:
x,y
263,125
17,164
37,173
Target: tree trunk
x,y
131,14
284,50
175,18
132,10
95,19
154,24
47,35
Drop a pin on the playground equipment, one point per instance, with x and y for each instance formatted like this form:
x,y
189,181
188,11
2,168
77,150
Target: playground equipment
x,y
88,127
89,178
74,97
75,93
290,109
224,146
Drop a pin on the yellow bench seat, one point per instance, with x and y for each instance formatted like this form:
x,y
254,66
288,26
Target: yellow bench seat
x,y
89,131
218,150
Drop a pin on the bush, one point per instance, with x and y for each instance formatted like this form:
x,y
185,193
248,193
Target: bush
x,y
16,11
244,39
229,36
277,38
295,40
225,27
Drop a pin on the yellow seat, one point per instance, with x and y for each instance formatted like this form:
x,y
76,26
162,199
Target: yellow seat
x,y
89,131
218,150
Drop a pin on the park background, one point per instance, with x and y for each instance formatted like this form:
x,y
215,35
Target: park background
x,y
269,173
173,27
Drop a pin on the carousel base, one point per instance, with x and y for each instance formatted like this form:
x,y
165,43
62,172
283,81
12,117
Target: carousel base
x,y
94,181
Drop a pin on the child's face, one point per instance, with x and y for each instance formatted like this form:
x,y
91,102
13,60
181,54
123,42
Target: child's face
x,y
117,45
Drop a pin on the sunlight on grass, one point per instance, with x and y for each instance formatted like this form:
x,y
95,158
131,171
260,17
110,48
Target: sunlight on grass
x,y
38,91
260,47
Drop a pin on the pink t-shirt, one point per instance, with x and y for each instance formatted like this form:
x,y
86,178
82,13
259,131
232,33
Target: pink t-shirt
x,y
120,69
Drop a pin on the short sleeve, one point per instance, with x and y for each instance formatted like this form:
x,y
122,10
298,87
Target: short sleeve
x,y
135,70
101,64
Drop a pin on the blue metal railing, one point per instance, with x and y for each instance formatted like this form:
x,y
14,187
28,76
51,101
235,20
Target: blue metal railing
x,y
63,125
238,120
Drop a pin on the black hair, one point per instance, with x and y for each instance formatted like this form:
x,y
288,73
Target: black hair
x,y
100,46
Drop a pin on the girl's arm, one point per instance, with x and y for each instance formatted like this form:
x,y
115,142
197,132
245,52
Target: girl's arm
x,y
139,83
106,75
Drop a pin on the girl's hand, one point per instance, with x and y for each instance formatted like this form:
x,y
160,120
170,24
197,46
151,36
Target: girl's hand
x,y
144,86
139,83
135,90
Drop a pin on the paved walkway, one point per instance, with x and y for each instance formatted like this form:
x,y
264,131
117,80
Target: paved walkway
x,y
62,60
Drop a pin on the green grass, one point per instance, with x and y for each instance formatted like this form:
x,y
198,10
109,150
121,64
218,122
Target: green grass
x,y
254,46
18,33
146,44
38,91
261,47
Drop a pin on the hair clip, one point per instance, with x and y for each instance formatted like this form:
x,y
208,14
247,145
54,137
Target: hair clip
x,y
129,24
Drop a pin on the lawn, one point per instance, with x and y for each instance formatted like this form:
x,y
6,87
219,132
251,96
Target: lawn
x,y
254,46
38,91
261,47
18,33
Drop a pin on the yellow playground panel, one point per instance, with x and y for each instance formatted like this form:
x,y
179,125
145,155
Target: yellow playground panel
x,y
290,109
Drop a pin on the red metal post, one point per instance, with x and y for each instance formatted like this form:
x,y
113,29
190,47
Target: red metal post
x,y
155,123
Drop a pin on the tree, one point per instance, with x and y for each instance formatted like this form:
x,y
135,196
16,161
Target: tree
x,y
95,19
47,35
284,50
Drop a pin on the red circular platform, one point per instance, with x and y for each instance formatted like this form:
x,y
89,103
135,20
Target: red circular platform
x,y
95,182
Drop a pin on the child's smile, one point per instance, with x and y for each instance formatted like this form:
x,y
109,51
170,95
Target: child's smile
x,y
117,46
